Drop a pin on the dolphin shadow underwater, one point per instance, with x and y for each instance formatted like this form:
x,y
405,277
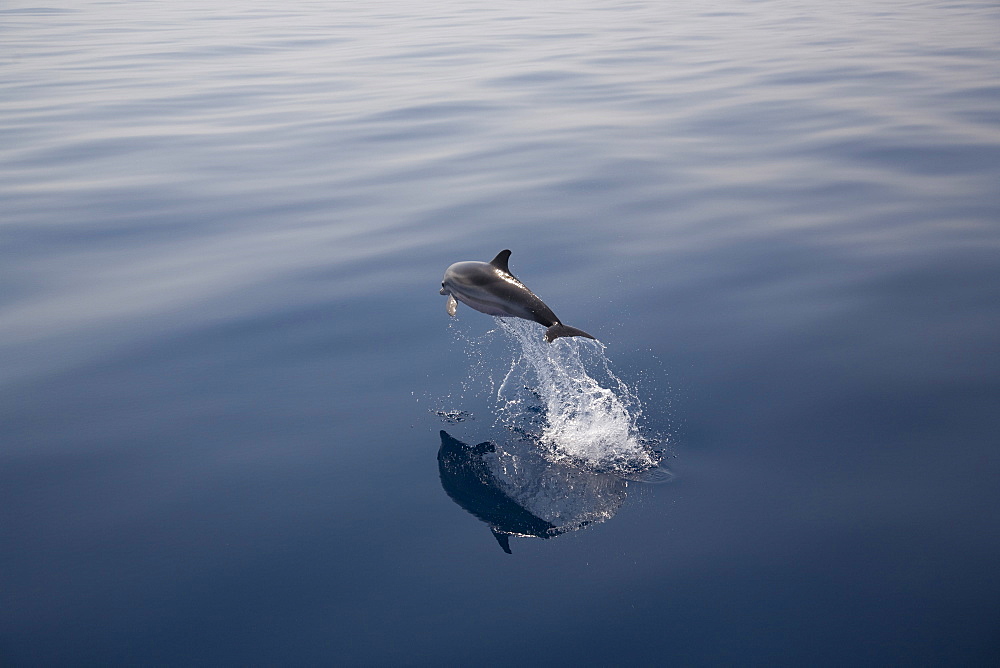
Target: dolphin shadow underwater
x,y
490,288
517,492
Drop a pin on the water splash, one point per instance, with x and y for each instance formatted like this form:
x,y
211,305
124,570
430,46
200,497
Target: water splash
x,y
453,416
565,395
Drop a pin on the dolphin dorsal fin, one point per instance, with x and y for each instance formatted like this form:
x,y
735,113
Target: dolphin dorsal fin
x,y
502,538
500,261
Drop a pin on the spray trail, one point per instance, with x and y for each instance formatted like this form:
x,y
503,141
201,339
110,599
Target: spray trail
x,y
550,393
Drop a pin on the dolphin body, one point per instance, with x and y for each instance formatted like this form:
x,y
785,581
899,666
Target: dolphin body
x,y
490,288
517,492
467,479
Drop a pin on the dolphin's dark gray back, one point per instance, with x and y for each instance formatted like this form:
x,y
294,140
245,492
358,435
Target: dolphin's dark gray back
x,y
543,314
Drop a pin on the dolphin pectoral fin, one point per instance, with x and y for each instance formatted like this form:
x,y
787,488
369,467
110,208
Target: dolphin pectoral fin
x,y
559,329
452,305
500,261
504,541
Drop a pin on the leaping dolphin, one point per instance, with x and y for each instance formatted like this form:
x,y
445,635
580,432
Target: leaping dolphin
x,y
490,288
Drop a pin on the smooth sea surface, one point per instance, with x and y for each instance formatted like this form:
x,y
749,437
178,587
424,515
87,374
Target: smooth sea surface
x,y
225,367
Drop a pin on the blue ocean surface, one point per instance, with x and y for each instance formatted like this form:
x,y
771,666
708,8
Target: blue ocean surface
x,y
238,427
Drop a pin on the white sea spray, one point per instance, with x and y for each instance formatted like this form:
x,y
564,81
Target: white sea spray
x,y
566,396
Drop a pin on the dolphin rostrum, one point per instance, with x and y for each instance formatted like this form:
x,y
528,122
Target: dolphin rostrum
x,y
490,288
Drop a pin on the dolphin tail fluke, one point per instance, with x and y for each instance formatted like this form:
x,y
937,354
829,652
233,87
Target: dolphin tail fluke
x,y
559,329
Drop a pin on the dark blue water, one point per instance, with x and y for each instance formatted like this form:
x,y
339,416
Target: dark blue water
x,y
223,354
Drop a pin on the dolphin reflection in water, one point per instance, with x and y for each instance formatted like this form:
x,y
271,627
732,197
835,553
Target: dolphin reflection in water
x,y
517,492
490,288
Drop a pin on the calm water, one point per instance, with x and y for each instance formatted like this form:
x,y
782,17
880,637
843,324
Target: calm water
x,y
223,354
